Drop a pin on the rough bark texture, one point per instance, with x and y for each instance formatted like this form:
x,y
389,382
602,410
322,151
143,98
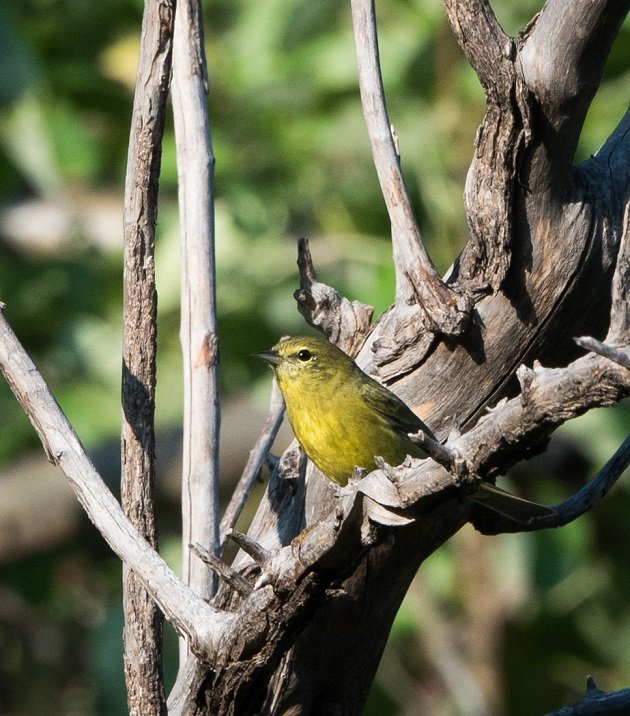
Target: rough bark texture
x,y
301,620
143,619
543,234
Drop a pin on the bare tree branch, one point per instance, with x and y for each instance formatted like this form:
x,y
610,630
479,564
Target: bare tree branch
x,y
499,145
195,163
222,570
598,703
507,434
345,323
571,42
487,48
191,616
570,509
619,330
143,619
417,279
539,308
256,459
619,355
285,491
257,552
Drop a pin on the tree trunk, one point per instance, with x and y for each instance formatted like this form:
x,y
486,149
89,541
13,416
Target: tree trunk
x,y
539,263
302,616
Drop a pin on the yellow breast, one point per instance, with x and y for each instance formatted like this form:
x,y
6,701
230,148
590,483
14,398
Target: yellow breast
x,y
341,434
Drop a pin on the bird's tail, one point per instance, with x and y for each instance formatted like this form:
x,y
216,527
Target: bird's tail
x,y
509,505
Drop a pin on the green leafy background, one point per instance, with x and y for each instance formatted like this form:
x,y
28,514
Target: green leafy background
x,y
509,625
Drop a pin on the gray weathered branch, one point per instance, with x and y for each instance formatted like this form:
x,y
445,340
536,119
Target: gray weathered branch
x,y
256,460
417,280
223,570
143,619
619,355
487,48
499,146
191,616
571,41
198,331
619,329
508,432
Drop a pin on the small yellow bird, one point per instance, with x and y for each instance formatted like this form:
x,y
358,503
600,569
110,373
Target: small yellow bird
x,y
342,418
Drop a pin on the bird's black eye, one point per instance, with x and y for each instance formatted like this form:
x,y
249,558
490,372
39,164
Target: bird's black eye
x,y
304,355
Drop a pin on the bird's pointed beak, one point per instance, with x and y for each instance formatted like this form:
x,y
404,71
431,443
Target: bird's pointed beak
x,y
270,357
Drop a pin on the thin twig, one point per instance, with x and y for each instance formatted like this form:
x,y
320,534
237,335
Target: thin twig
x,y
442,454
586,497
416,276
223,570
257,458
143,620
256,551
573,507
404,225
619,355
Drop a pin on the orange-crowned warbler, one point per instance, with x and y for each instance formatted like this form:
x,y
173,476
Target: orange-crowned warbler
x,y
342,418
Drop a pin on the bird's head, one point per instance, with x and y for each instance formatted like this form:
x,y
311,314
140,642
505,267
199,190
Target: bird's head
x,y
306,359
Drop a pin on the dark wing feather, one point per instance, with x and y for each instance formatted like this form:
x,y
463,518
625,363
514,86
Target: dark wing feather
x,y
391,407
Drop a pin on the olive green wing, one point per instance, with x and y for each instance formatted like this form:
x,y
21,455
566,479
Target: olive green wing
x,y
391,407
401,418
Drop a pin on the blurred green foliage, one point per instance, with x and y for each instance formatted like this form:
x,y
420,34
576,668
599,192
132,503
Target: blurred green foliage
x,y
292,159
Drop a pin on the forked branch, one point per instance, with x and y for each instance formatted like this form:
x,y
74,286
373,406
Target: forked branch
x,y
345,323
417,280
191,616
